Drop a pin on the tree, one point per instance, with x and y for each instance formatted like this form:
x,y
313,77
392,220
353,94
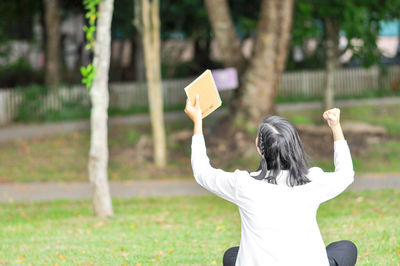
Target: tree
x,y
98,156
260,75
332,58
148,23
357,20
52,47
186,19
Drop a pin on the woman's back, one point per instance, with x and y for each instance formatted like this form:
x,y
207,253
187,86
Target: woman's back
x,y
278,204
278,221
279,224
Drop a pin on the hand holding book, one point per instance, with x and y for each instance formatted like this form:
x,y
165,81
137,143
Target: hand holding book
x,y
205,87
193,110
202,87
194,113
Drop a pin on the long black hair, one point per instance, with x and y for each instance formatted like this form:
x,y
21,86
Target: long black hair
x,y
281,149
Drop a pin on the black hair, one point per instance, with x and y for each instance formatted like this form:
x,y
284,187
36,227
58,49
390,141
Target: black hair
x,y
281,149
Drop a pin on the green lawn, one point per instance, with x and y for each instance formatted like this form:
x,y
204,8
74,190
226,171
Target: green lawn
x,y
64,157
179,230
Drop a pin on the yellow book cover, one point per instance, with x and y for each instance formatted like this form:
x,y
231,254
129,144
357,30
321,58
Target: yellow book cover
x,y
204,85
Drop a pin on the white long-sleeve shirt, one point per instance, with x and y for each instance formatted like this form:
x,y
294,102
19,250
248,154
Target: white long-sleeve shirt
x,y
278,222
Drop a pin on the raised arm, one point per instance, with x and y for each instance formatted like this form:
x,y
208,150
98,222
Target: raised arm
x,y
217,181
332,116
332,184
194,113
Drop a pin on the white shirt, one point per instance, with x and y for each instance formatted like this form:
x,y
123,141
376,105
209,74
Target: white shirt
x,y
278,222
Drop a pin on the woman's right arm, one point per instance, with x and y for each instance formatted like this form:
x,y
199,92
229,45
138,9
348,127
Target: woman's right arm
x,y
332,184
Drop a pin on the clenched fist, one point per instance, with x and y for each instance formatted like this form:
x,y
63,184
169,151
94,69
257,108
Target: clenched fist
x,y
332,116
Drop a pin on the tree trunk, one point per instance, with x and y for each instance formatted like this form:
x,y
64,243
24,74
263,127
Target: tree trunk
x,y
138,58
202,51
150,22
228,45
259,82
398,38
98,157
332,54
224,32
262,78
52,47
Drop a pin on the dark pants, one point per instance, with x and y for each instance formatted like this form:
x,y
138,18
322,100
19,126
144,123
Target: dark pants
x,y
340,253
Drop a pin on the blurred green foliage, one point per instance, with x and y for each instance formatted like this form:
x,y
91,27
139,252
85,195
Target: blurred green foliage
x,y
32,106
357,20
188,19
19,73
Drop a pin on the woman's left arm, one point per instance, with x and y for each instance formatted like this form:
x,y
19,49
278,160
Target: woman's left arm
x,y
217,181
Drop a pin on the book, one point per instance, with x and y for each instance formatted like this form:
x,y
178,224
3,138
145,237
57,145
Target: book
x,y
204,85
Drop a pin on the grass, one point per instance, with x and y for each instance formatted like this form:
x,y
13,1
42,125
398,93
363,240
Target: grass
x,y
64,157
179,230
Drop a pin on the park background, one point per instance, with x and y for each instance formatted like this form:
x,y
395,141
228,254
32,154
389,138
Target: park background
x,y
76,121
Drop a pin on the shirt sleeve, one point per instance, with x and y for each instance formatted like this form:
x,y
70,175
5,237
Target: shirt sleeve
x,y
217,181
331,184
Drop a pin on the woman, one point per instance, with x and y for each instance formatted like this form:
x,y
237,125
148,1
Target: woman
x,y
278,203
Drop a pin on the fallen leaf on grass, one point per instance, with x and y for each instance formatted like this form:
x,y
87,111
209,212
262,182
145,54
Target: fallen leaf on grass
x,y
125,255
100,224
134,226
158,220
220,228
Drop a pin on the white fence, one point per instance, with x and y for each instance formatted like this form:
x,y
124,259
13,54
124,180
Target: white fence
x,y
353,81
127,95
